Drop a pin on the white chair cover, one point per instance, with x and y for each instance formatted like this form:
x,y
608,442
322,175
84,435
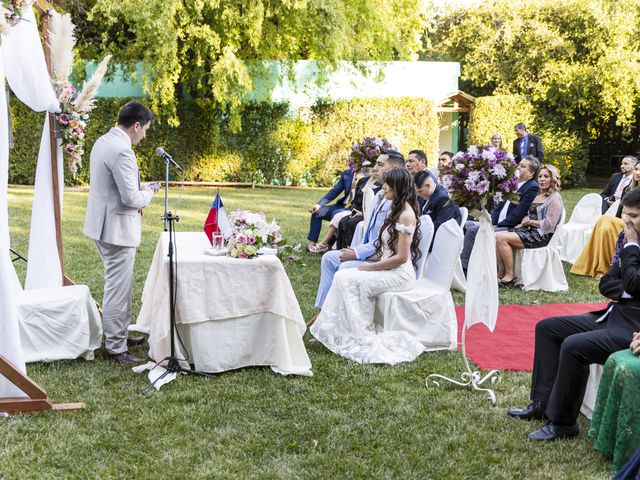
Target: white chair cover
x,y
358,235
58,324
573,235
541,268
613,209
427,311
426,229
459,281
591,393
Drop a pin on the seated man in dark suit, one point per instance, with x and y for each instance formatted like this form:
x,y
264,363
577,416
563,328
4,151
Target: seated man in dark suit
x,y
526,144
322,211
506,215
566,346
618,182
433,200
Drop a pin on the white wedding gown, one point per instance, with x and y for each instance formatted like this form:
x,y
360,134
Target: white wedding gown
x,y
346,323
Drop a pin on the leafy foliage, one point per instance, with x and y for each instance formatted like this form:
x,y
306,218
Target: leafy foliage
x,y
577,61
271,149
212,49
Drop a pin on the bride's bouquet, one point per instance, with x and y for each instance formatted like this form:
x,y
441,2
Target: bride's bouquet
x,y
479,175
250,233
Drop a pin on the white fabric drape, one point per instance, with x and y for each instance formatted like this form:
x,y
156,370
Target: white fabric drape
x,y
43,268
481,301
22,62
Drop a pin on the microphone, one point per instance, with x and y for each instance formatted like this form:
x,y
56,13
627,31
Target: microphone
x,y
167,158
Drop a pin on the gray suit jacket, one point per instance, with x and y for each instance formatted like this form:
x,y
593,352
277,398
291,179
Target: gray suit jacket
x,y
115,198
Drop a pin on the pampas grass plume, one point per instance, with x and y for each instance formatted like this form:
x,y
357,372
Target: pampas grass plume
x,y
61,41
85,101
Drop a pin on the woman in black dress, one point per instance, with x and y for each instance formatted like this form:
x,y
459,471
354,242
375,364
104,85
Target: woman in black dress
x,y
536,229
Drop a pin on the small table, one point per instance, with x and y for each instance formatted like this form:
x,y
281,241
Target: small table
x,y
230,313
615,425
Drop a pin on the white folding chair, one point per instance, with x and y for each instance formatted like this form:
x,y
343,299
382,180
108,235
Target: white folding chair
x,y
427,311
358,235
591,392
573,235
58,323
426,230
541,268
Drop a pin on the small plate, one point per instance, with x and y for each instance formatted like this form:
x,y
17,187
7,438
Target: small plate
x,y
216,253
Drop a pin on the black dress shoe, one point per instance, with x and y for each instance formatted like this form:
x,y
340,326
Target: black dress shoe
x,y
124,357
133,341
552,431
535,411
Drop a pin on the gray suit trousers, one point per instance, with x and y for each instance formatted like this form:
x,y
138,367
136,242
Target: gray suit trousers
x,y
118,287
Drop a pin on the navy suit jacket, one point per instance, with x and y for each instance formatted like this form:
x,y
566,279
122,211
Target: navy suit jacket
x,y
534,147
440,208
623,276
343,185
517,211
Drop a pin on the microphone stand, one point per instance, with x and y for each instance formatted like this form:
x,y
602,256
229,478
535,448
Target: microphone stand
x,y
173,364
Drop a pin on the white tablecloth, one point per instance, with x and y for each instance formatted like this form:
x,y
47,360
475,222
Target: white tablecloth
x,y
230,313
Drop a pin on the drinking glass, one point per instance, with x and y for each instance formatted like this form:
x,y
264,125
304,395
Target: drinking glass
x,y
217,241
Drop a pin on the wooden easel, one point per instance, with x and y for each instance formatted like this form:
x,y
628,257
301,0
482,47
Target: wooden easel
x,y
37,401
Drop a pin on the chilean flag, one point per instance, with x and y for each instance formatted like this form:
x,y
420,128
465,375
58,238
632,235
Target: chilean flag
x,y
217,220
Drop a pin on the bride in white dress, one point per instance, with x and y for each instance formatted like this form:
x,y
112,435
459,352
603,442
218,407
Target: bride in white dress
x,y
346,323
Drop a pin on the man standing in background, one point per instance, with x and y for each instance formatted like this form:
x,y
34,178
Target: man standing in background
x,y
113,221
526,144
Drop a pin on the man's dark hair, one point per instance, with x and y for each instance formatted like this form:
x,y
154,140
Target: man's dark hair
x,y
521,126
420,177
420,154
632,199
133,112
446,152
395,157
534,165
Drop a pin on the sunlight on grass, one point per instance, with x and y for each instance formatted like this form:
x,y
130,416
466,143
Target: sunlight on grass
x,y
348,421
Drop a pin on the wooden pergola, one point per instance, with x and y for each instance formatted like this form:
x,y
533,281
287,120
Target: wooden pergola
x,y
457,102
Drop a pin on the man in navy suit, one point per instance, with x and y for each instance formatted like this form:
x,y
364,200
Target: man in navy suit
x,y
433,200
618,182
526,144
506,215
322,211
567,345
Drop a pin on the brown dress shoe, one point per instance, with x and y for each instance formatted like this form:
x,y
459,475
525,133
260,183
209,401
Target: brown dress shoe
x,y
124,357
133,341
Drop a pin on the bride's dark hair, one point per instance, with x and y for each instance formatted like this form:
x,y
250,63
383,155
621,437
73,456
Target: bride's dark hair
x,y
404,191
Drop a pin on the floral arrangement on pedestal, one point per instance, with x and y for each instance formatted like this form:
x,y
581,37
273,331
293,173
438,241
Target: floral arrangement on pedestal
x,y
250,232
367,150
11,12
75,106
479,175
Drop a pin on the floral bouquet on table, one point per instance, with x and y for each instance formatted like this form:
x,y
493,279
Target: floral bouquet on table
x,y
479,175
250,232
11,12
75,106
365,152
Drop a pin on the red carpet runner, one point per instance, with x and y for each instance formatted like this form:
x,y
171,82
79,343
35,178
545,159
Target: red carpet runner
x,y
510,346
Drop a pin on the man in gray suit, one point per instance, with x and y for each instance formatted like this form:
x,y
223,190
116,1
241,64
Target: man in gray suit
x,y
353,257
116,200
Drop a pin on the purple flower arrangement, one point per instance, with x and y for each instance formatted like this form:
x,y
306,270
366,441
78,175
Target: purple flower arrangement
x,y
479,175
367,150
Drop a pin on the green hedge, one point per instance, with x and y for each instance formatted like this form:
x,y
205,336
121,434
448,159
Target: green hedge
x,y
272,148
499,113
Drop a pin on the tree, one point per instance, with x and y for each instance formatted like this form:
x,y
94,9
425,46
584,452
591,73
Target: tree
x,y
212,50
578,61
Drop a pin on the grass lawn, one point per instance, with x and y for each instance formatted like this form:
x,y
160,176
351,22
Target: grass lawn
x,y
347,421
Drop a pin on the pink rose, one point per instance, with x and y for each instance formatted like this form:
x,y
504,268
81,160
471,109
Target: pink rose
x,y
242,255
251,240
63,119
241,238
69,148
